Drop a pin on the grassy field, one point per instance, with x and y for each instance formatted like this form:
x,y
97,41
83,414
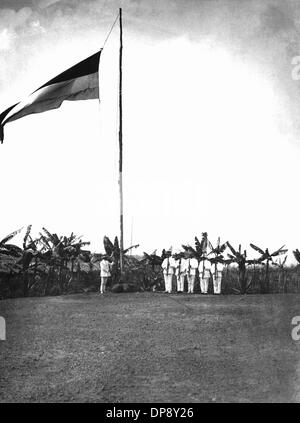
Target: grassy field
x,y
150,347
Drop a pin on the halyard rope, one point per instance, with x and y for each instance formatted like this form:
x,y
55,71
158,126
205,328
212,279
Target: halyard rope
x,y
112,27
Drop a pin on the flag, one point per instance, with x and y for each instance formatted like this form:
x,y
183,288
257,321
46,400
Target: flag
x,y
80,82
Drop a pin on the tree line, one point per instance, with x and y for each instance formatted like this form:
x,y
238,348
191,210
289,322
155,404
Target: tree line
x,y
53,264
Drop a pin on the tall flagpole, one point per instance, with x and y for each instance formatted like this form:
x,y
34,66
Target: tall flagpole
x,y
121,147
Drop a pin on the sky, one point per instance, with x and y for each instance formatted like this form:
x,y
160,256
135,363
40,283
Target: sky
x,y
211,96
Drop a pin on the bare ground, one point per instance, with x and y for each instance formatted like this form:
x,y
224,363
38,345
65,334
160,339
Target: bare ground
x,y
150,347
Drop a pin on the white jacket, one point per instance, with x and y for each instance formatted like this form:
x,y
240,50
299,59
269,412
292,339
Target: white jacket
x,y
205,267
190,266
179,267
105,267
168,266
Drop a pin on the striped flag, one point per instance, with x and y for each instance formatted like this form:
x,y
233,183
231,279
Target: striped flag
x,y
80,82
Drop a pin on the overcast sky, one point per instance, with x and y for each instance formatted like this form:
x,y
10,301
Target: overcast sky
x,y
211,121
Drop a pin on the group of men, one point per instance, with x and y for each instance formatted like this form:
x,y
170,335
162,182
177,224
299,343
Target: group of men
x,y
181,268
187,267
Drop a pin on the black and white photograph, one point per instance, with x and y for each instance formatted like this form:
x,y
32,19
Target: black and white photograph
x,y
150,210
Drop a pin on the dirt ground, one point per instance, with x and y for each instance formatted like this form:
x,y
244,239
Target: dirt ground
x,y
150,347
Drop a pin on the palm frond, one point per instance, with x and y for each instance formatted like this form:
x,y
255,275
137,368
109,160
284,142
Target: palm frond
x,y
57,240
49,235
234,252
108,246
45,241
178,256
279,251
297,255
116,243
131,248
185,247
153,259
204,242
10,236
190,250
257,249
11,252
72,238
198,245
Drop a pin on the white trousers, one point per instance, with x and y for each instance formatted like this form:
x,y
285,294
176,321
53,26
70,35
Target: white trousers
x,y
168,283
191,283
180,283
103,284
204,284
217,280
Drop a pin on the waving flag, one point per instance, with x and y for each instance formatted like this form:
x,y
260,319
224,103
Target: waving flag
x,y
80,82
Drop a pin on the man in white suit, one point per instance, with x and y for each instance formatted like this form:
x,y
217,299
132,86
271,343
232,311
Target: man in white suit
x,y
105,272
204,273
191,266
179,271
168,266
217,272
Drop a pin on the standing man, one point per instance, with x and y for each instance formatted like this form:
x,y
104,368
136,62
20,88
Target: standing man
x,y
191,266
204,273
217,272
168,266
105,272
179,271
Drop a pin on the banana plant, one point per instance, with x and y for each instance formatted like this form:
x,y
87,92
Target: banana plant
x,y
153,259
179,255
153,278
203,246
10,249
217,253
219,249
51,246
297,255
267,258
58,251
240,258
113,251
28,254
72,249
9,256
200,248
280,264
